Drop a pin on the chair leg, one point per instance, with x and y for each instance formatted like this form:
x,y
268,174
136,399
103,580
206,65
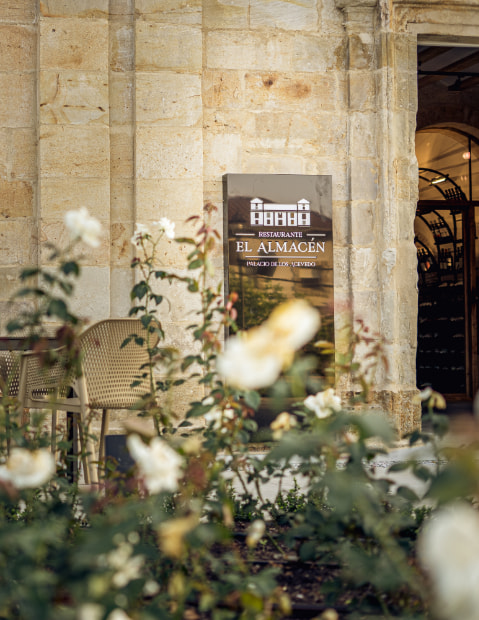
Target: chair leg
x,y
81,434
53,441
105,421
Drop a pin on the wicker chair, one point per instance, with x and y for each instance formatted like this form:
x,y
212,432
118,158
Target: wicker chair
x,y
107,372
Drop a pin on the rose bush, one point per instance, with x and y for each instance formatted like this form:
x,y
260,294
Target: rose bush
x,y
159,541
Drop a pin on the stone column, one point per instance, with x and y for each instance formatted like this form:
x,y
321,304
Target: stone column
x,y
74,134
122,83
169,147
18,140
382,259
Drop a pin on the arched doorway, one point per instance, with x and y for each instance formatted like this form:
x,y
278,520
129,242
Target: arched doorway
x,y
445,237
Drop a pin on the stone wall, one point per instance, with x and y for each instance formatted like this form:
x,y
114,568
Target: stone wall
x,y
136,108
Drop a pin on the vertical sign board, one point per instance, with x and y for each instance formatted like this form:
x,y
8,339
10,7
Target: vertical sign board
x,y
279,244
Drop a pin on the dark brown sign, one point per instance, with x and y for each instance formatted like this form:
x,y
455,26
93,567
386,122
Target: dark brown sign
x,y
278,243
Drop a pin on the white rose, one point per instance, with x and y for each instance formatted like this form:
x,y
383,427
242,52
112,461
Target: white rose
x,y
167,226
255,532
140,232
159,464
323,403
250,360
217,416
448,548
294,323
26,469
83,226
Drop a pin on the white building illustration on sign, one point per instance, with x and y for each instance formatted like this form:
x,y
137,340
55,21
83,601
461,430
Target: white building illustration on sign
x,y
269,214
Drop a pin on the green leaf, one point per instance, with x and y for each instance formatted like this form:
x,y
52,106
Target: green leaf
x,y
252,399
139,290
196,264
57,307
71,267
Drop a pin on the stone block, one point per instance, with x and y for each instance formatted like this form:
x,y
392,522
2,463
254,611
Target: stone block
x,y
122,105
22,156
122,204
305,91
72,43
122,46
223,89
92,294
18,12
363,137
61,195
74,98
175,199
222,153
362,91
317,54
364,179
169,153
54,232
16,199
364,276
17,100
363,224
121,283
18,48
285,15
122,250
170,11
17,242
72,151
361,51
231,121
122,8
178,305
168,98
9,282
267,163
166,46
79,8
218,14
122,151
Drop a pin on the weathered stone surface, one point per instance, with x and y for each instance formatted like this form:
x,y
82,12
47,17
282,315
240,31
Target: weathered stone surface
x,y
121,247
285,14
122,46
218,14
121,283
17,100
18,12
16,199
272,52
17,242
54,232
122,89
168,98
17,48
57,196
168,153
166,46
70,43
73,98
79,8
22,155
175,199
92,294
170,11
122,151
74,151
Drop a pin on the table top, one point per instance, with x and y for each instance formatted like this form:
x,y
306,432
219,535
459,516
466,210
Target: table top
x,y
18,343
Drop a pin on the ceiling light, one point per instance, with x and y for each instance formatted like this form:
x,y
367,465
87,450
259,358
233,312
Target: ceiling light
x,y
437,180
466,155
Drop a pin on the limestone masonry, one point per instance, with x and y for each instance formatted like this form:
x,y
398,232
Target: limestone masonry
x,y
136,109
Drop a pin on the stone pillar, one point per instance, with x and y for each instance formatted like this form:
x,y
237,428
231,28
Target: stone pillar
x,y
382,258
169,147
122,82
18,140
74,136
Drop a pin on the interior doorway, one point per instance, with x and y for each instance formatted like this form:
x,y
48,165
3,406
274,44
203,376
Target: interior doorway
x,y
447,217
447,150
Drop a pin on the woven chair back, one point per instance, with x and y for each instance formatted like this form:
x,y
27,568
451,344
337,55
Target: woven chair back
x,y
109,368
